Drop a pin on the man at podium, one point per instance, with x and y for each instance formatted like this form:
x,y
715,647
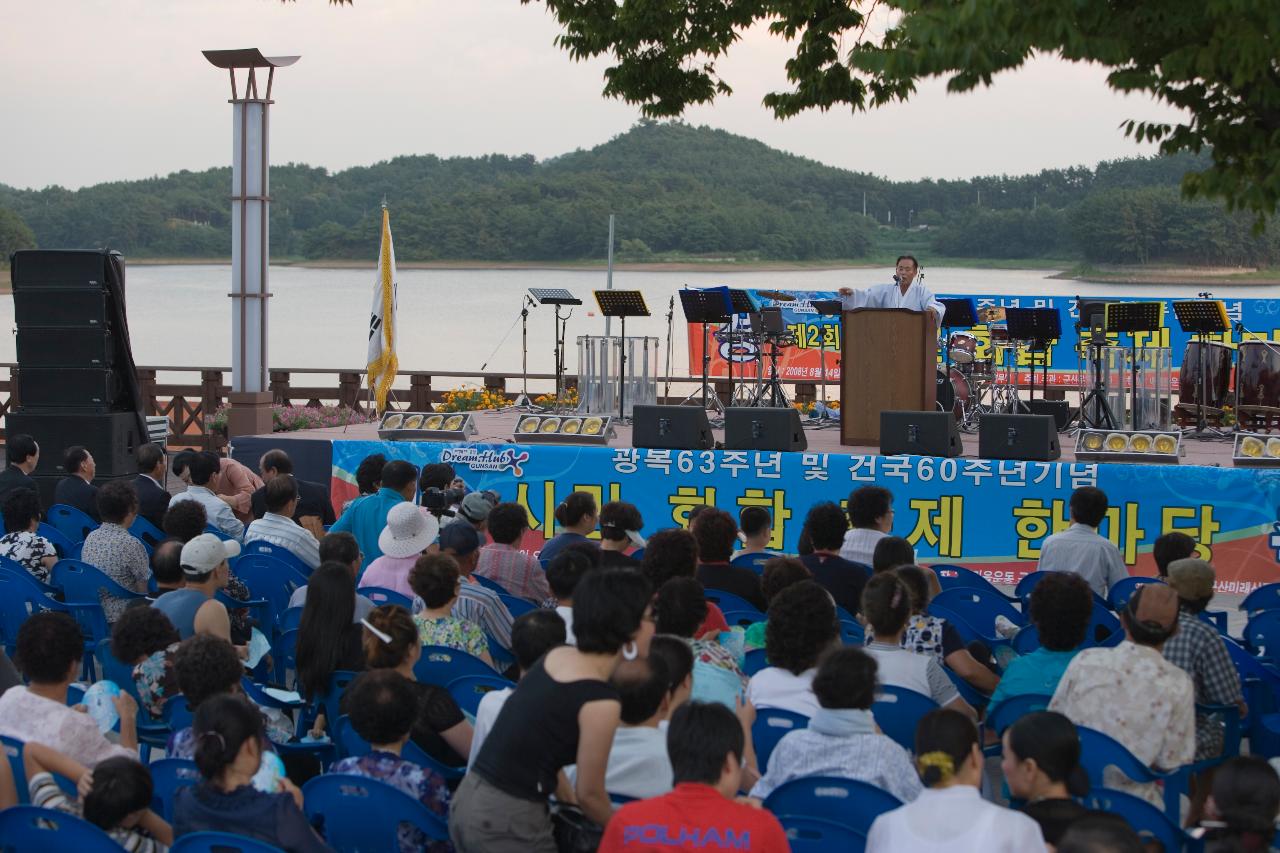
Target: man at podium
x,y
905,292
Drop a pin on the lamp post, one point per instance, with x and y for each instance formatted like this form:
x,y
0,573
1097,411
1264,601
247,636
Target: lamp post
x,y
250,396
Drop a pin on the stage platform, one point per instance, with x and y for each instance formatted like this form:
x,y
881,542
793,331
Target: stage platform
x,y
989,515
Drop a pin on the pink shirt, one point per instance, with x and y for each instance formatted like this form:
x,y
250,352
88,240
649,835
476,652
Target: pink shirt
x,y
237,482
390,573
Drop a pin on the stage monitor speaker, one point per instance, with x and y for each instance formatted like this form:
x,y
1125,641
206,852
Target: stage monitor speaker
x,y
919,434
67,347
111,438
671,428
1060,410
47,484
763,429
76,307
86,390
1024,437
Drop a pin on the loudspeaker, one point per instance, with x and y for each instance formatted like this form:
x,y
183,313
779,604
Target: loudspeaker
x,y
112,438
919,433
71,347
1027,437
763,429
45,269
85,390
47,484
671,428
68,307
1059,409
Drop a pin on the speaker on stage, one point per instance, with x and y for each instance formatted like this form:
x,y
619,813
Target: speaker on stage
x,y
763,429
111,437
1024,437
919,434
671,428
1060,410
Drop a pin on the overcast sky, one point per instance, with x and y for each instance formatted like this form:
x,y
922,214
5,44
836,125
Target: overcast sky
x,y
103,90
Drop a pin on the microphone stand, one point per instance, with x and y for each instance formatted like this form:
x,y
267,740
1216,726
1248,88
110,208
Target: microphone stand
x,y
671,313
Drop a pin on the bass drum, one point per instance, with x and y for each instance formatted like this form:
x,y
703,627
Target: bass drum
x,y
1217,375
1258,376
953,393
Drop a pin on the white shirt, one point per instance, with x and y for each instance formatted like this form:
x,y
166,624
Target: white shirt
x,y
566,613
1081,549
873,758
899,667
917,298
25,716
288,534
775,687
860,544
638,766
953,820
218,513
486,715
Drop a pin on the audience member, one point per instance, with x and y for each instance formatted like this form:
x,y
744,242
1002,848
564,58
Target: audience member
x,y
678,658
534,634
562,712
717,673
502,561
329,637
933,635
476,602
115,796
1081,549
1169,547
22,454
950,815
229,737
1133,694
368,477
1200,652
1243,806
886,604
1061,606
1100,832
366,517
716,532
563,575
21,543
673,553
406,537
577,516
382,704
620,526
827,524
50,649
708,749
779,573
870,511
113,550
145,640
891,552
755,532
199,471
842,739
76,489
440,475
439,728
185,520
474,510
313,498
235,484
1041,766
435,580
338,548
802,627
193,609
277,527
166,567
153,496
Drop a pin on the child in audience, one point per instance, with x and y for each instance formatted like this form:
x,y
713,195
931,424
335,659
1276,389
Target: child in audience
x,y
115,796
950,815
436,580
146,640
755,529
779,573
230,739
1042,767
382,711
563,574
802,627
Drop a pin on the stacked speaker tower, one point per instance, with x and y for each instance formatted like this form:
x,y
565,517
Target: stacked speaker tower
x,y
76,381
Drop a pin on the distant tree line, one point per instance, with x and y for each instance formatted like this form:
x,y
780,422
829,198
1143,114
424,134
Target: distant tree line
x,y
676,190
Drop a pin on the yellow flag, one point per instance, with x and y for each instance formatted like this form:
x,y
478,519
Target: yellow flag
x,y
382,361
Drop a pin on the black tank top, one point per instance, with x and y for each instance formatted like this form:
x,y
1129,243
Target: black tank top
x,y
536,734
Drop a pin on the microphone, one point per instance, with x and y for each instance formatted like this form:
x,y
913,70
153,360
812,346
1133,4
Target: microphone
x,y
1204,295
896,279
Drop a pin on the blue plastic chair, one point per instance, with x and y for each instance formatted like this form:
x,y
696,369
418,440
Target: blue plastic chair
x,y
209,528
1102,617
491,584
219,842
1229,716
637,555
742,618
1008,712
71,522
113,669
1099,751
952,576
754,562
81,582
898,710
59,540
352,745
150,535
851,633
284,555
1262,635
979,609
770,726
847,802
516,606
283,655
754,661
1027,640
1147,820
290,619
358,814
728,601
331,701
13,752
21,595
501,656
167,776
440,665
468,690
815,835
30,828
380,595
1217,618
270,579
1023,590
1265,597
1118,595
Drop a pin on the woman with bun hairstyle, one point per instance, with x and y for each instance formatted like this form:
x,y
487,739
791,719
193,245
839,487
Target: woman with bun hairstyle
x,y
950,815
577,516
1042,766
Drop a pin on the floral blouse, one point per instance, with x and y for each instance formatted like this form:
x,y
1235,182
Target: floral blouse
x,y
28,549
422,784
711,652
155,680
452,632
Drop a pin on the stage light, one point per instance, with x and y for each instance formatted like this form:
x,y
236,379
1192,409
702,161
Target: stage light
x,y
1256,450
563,429
427,426
1135,446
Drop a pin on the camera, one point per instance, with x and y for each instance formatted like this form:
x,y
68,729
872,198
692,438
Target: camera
x,y
438,501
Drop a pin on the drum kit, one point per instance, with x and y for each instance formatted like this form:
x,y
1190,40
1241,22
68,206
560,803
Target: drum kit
x,y
971,386
1206,387
764,337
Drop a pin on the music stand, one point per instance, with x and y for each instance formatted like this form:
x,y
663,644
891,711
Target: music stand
x,y
1202,318
1130,317
1040,326
713,305
826,308
558,297
1091,316
739,304
622,304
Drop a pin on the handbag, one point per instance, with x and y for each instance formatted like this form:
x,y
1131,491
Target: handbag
x,y
574,831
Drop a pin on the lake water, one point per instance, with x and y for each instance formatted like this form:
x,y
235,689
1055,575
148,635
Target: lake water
x,y
459,319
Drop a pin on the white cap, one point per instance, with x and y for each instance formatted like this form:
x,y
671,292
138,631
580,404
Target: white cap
x,y
206,552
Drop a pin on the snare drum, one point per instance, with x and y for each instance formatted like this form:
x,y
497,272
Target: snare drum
x,y
1217,375
999,334
1258,376
962,347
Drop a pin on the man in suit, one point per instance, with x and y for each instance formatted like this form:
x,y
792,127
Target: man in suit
x,y
313,498
77,488
153,498
23,454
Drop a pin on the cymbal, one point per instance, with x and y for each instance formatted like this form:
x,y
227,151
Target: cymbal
x,y
777,295
992,314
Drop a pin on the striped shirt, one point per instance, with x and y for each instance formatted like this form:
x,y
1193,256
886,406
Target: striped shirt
x,y
288,534
46,794
516,571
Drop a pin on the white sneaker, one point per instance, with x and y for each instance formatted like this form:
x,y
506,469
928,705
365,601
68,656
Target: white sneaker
x,y
1005,628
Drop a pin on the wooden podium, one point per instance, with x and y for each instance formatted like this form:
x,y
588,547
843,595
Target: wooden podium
x,y
889,363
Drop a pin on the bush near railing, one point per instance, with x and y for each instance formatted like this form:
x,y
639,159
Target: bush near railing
x,y
471,400
293,418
